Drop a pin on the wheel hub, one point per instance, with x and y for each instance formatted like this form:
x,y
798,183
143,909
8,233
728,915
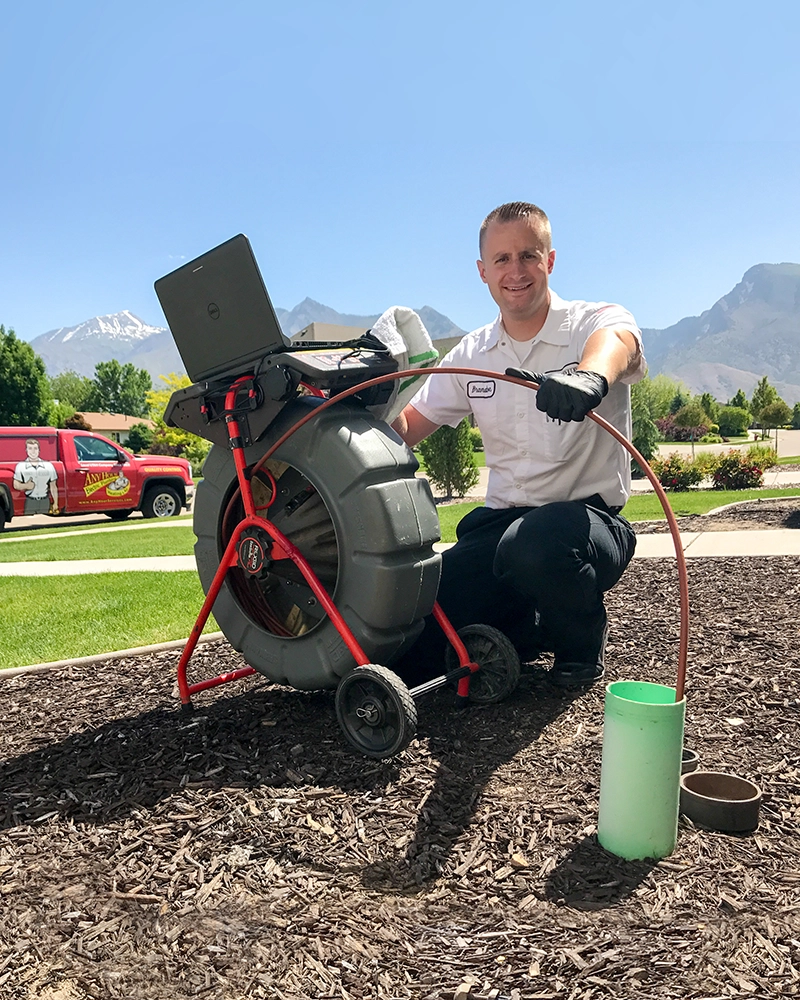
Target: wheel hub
x,y
371,713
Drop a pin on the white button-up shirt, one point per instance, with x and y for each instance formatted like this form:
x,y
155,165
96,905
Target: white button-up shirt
x,y
532,459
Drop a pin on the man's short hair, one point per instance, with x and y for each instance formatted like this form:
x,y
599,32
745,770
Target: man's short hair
x,y
31,441
519,210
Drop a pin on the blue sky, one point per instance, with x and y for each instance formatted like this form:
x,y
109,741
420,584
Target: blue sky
x,y
359,146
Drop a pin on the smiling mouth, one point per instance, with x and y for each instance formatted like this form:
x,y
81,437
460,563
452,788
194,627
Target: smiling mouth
x,y
517,288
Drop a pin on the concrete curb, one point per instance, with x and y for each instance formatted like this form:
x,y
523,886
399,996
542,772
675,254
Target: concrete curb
x,y
158,647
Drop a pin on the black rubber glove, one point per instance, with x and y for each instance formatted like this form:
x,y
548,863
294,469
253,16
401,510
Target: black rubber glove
x,y
565,397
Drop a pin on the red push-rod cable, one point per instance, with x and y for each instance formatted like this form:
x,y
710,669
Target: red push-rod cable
x,y
683,582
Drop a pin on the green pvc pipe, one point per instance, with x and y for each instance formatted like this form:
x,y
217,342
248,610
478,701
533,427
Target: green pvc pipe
x,y
641,769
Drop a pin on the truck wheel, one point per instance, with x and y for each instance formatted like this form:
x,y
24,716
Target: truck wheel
x,y
349,499
161,501
2,517
119,515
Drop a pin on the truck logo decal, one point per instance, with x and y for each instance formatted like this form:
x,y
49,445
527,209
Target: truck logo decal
x,y
116,486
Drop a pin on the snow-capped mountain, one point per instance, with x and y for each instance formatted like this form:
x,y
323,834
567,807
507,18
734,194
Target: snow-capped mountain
x,y
128,339
121,335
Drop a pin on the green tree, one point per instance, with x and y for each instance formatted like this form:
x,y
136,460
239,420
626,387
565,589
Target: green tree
x,y
679,400
711,407
763,395
645,433
140,437
72,389
121,388
692,416
660,393
775,415
25,398
450,460
739,399
59,413
733,420
796,417
173,440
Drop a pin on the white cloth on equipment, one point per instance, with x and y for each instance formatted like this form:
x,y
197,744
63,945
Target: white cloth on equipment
x,y
404,333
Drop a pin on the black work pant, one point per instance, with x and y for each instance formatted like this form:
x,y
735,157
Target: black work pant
x,y
536,573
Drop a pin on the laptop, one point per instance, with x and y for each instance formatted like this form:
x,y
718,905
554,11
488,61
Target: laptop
x,y
219,312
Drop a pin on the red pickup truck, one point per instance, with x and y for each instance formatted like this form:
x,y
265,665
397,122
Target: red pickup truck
x,y
49,471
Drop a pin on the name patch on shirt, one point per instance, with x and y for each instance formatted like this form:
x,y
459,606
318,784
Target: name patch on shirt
x,y
481,390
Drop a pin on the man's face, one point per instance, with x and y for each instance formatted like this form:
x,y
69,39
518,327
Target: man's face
x,y
515,266
32,447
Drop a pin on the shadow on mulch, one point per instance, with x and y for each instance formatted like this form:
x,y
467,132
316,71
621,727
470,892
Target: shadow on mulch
x,y
252,740
591,878
465,766
99,774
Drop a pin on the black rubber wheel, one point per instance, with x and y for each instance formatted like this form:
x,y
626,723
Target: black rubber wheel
x,y
498,661
119,515
349,499
376,711
161,501
2,517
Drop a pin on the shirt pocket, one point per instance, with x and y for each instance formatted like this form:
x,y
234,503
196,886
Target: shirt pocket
x,y
562,438
482,395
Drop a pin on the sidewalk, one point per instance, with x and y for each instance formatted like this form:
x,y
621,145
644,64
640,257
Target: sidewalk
x,y
697,544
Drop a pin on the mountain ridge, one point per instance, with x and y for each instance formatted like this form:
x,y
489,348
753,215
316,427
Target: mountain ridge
x,y
752,331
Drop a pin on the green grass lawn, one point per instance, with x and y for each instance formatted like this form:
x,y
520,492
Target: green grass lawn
x,y
55,618
643,507
155,541
60,617
135,524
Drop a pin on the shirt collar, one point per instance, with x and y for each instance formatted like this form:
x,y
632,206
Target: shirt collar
x,y
554,331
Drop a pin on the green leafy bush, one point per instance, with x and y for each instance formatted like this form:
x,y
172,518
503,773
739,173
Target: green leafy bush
x,y
710,439
476,438
736,471
676,473
140,437
706,462
734,421
763,455
450,460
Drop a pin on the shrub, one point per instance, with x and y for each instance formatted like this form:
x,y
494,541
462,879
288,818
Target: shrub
x,y
77,422
476,439
706,462
676,473
140,437
736,471
671,432
733,421
450,460
710,439
763,455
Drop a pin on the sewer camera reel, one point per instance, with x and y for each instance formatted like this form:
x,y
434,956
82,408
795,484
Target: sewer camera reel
x,y
314,534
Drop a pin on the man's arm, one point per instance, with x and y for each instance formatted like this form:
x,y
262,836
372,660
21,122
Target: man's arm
x,y
612,352
609,354
412,426
23,485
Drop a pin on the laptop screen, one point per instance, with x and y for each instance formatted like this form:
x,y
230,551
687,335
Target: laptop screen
x,y
219,312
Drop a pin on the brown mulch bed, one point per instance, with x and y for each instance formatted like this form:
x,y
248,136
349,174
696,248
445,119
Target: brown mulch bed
x,y
244,851
780,512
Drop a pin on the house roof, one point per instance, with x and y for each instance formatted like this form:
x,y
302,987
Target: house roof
x,y
113,421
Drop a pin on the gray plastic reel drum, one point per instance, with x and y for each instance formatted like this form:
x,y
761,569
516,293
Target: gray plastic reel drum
x,y
349,499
